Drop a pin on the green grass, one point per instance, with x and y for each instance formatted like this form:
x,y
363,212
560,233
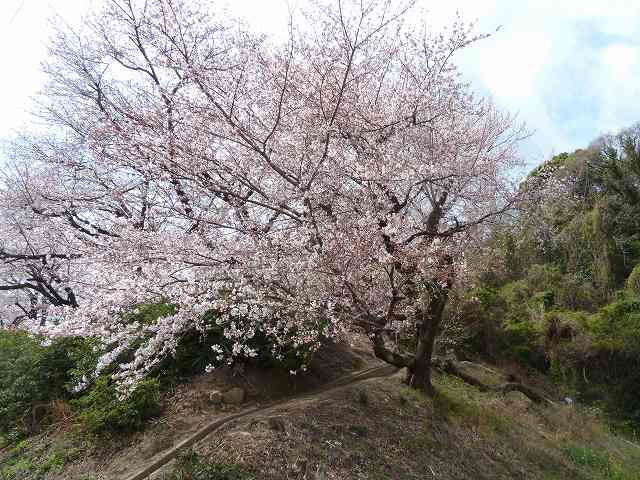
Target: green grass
x,y
455,400
191,466
599,462
34,460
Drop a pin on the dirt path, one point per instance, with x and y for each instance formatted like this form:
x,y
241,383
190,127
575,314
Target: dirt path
x,y
166,457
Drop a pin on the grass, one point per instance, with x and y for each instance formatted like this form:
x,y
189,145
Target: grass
x,y
30,459
601,462
191,466
455,401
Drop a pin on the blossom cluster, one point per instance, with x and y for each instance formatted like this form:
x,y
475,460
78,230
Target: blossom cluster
x,y
300,190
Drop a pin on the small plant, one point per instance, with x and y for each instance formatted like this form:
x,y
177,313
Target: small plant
x,y
587,457
362,397
191,466
359,430
53,462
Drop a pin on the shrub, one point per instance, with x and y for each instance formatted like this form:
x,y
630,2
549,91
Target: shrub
x,y
587,457
34,376
633,282
523,343
480,315
543,277
515,293
598,461
578,293
617,325
31,376
102,412
601,362
546,299
194,352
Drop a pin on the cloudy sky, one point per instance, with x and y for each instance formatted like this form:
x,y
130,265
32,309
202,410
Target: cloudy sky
x,y
569,68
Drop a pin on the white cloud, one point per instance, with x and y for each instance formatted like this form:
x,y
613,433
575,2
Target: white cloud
x,y
569,67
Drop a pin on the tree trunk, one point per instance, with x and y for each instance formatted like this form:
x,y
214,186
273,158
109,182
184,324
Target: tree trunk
x,y
419,374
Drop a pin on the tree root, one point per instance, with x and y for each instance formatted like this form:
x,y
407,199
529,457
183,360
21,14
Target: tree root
x,y
451,367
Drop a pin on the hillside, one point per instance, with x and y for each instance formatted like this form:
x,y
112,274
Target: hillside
x,y
370,429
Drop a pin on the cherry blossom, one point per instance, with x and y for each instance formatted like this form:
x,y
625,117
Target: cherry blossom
x,y
301,190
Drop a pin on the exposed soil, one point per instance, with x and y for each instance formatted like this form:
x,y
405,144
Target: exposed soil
x,y
373,429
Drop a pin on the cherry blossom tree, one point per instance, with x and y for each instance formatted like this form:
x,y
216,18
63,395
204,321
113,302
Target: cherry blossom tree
x,y
301,189
35,256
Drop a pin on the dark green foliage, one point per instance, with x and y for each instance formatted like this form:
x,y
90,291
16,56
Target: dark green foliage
x,y
596,356
102,412
147,313
543,278
633,282
617,325
193,354
84,356
587,457
194,351
613,359
556,271
484,313
31,376
507,323
191,466
34,375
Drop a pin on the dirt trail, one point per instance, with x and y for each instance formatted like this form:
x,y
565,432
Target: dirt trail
x,y
167,456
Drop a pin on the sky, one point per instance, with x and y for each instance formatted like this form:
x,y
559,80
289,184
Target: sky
x,y
570,69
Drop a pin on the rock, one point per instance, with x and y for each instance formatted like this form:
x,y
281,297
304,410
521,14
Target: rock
x,y
235,396
215,397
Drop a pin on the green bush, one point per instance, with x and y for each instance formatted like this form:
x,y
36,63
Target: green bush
x,y
102,412
523,343
193,351
598,461
546,299
601,362
84,358
31,376
577,293
633,282
515,293
616,326
503,325
482,311
543,277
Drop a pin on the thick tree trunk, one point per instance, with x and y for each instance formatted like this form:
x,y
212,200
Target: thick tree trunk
x,y
419,374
